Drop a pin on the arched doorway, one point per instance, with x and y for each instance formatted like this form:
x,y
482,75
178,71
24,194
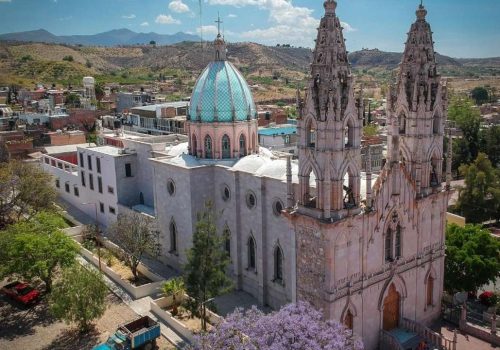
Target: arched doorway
x,y
391,309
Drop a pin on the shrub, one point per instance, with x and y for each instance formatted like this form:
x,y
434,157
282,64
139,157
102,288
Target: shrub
x,y
488,298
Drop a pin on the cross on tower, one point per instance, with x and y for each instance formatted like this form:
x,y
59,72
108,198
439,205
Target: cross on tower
x,y
219,22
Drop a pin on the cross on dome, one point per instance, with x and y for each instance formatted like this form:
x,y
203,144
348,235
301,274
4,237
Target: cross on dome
x,y
219,22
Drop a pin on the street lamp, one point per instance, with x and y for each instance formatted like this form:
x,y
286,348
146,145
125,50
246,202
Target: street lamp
x,y
96,234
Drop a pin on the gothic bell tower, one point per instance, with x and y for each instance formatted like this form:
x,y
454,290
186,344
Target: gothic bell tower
x,y
330,128
417,111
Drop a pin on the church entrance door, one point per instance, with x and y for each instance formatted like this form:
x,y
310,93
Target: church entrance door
x,y
391,309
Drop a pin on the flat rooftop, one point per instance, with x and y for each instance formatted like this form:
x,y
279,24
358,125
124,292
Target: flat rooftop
x,y
282,130
152,108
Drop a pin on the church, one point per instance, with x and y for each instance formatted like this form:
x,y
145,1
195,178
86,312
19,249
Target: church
x,y
367,250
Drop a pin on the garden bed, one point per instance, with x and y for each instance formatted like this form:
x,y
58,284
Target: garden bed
x,y
149,283
183,323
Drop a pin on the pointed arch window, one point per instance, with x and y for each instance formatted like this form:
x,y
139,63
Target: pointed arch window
x,y
208,147
397,243
226,147
194,146
310,135
243,146
430,291
393,240
388,246
349,134
173,237
227,241
278,264
436,124
251,254
402,123
349,320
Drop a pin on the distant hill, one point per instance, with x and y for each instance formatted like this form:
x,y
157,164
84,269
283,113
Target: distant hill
x,y
371,58
26,63
111,38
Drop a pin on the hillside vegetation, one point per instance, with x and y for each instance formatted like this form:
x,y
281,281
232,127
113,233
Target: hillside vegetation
x,y
26,64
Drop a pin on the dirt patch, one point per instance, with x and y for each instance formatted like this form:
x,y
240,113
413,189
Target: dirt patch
x,y
109,258
35,329
192,323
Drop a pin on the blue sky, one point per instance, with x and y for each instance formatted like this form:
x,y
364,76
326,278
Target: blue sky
x,y
462,28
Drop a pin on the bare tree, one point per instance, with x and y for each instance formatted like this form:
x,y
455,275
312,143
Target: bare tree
x,y
136,234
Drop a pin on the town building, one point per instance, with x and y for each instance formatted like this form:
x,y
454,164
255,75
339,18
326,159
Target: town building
x,y
368,250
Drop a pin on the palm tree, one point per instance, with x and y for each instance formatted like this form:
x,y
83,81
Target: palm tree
x,y
173,287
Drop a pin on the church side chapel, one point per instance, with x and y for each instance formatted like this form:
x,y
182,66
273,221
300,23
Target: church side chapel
x,y
367,250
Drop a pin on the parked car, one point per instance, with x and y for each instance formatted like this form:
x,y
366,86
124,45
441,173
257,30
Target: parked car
x,y
21,292
138,334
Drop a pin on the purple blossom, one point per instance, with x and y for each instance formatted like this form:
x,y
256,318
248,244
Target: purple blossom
x,y
294,327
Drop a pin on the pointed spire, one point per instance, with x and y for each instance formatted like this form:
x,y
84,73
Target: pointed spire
x,y
421,12
330,7
418,73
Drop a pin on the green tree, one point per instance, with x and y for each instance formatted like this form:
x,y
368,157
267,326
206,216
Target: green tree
x,y
79,297
489,143
68,58
99,91
468,120
36,248
472,258
134,233
25,190
479,95
88,64
479,200
73,100
370,130
172,288
205,271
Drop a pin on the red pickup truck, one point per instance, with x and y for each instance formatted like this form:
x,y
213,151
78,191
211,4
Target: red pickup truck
x,y
21,292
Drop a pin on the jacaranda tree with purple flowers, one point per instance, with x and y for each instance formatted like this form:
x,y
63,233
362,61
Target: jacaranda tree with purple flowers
x,y
294,327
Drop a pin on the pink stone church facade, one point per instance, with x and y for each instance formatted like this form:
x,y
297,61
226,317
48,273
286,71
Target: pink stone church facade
x,y
371,262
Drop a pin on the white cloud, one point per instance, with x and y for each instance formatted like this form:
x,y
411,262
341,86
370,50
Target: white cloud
x,y
5,0
347,27
132,16
291,24
144,24
166,19
232,15
178,6
207,30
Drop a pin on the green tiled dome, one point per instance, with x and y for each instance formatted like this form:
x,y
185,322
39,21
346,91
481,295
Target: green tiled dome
x,y
221,94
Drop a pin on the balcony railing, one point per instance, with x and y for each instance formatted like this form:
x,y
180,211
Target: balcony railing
x,y
429,335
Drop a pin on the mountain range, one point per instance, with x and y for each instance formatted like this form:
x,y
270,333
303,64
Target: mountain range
x,y
111,38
